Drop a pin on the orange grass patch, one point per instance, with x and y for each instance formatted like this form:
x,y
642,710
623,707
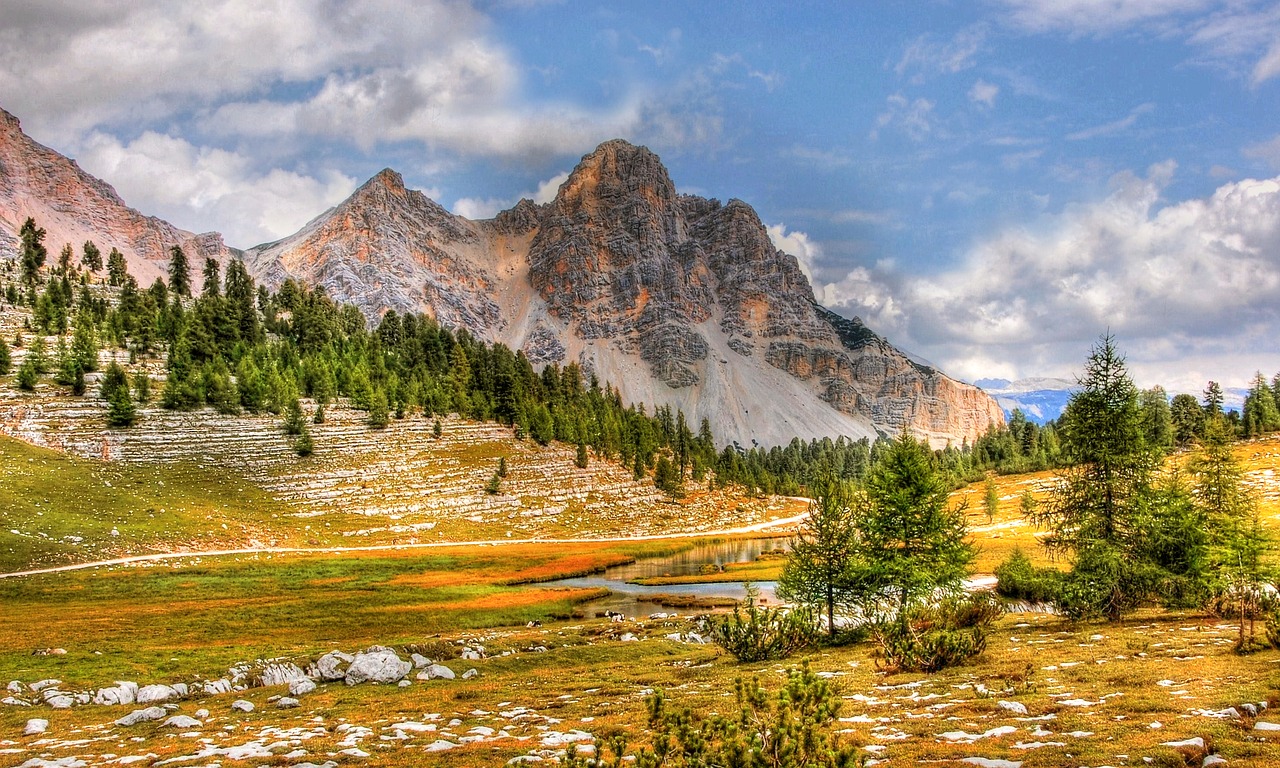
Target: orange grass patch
x,y
517,598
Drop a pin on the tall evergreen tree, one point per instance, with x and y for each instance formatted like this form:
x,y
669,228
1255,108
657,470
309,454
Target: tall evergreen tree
x,y
6,360
179,272
1093,514
117,269
32,253
911,542
92,258
212,278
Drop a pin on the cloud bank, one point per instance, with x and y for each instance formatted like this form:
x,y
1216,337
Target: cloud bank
x,y
1197,280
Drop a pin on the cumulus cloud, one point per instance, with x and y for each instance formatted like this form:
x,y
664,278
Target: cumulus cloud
x,y
189,185
364,71
807,252
1198,279
486,208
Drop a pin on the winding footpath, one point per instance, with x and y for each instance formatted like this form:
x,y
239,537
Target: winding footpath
x,y
158,557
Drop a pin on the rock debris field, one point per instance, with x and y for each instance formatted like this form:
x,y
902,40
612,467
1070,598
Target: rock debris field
x,y
400,485
1063,709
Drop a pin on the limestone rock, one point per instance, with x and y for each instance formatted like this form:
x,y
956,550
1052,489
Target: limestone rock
x,y
301,687
184,722
140,715
377,665
156,694
241,705
123,692
333,665
287,702
35,726
278,673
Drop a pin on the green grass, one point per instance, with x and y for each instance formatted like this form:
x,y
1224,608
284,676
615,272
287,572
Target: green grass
x,y
49,497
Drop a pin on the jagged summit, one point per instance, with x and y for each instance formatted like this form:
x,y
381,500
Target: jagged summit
x,y
677,299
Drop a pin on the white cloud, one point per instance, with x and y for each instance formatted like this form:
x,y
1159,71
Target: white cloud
x,y
547,190
984,93
1113,127
1094,16
486,208
1194,280
807,252
188,185
925,56
912,116
1267,151
1243,35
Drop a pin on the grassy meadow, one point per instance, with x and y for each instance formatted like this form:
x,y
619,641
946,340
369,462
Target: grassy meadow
x,y
1095,694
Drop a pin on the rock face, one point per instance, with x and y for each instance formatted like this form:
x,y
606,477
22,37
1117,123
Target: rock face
x,y
676,299
73,207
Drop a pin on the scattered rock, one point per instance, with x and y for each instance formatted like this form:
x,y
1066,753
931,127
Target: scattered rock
x,y
184,722
123,692
40,685
419,661
333,665
403,684
1013,706
139,715
301,687
377,665
35,726
155,694
470,673
278,673
286,702
242,705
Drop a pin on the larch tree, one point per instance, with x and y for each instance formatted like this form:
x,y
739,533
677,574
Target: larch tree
x,y
818,572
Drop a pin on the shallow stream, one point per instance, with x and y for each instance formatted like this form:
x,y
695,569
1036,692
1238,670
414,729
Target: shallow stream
x,y
628,598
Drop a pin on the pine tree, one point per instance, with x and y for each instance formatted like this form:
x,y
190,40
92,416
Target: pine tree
x,y
120,409
581,459
179,273
304,446
1096,510
990,498
1231,519
294,422
117,269
28,374
494,485
92,258
437,430
142,386
910,543
502,467
379,410
6,360
212,279
32,253
818,572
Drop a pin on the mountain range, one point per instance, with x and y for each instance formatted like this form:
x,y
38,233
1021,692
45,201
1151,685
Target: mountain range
x,y
676,299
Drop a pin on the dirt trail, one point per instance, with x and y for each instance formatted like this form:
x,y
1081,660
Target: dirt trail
x,y
754,528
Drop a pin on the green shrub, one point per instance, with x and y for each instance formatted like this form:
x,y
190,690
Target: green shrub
x,y
937,636
752,633
789,730
1018,579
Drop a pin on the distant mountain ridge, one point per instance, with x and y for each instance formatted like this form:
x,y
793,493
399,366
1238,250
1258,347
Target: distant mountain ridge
x,y
677,299
1041,399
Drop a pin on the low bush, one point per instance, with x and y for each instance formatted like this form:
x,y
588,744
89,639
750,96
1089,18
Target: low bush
x,y
1018,579
752,633
791,729
937,636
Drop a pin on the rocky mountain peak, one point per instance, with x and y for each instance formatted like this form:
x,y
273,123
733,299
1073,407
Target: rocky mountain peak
x,y
74,207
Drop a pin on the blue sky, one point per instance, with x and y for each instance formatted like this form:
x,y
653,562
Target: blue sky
x,y
990,184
